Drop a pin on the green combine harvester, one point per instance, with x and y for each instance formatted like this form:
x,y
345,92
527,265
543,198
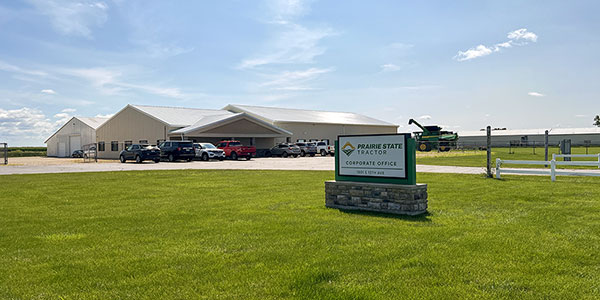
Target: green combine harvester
x,y
433,137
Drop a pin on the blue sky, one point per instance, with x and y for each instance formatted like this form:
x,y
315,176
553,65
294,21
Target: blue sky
x,y
461,64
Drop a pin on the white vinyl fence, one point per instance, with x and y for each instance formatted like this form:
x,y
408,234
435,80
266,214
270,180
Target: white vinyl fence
x,y
553,163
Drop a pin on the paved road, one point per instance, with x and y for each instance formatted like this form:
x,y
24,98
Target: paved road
x,y
301,163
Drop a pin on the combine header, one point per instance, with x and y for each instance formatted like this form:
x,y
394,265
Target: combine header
x,y
433,137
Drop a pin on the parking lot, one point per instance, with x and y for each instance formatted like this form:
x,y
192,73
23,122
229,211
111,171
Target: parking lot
x,y
37,165
33,165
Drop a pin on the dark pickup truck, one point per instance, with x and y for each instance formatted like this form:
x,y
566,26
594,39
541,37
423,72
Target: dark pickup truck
x,y
140,153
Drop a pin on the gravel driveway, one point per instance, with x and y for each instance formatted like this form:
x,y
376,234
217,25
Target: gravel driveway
x,y
34,165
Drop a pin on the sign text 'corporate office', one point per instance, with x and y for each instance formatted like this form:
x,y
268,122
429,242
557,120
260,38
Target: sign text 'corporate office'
x,y
372,156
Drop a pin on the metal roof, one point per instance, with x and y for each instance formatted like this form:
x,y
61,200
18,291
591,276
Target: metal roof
x,y
180,116
209,121
522,132
93,122
275,114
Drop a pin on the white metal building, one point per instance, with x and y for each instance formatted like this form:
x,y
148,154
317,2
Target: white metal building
x,y
78,131
312,125
262,127
151,124
503,138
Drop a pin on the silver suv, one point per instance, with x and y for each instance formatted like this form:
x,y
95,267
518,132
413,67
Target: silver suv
x,y
206,151
285,150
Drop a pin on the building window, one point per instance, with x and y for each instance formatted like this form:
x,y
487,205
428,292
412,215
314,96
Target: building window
x,y
101,146
300,140
143,142
114,146
288,139
127,144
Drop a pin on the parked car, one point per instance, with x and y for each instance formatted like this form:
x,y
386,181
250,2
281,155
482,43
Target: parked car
x,y
140,153
91,152
77,153
206,151
323,148
285,150
307,148
235,149
176,150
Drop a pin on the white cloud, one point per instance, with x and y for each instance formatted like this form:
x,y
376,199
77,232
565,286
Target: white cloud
x,y
478,51
503,45
109,82
28,123
425,117
390,68
104,116
161,91
73,18
294,80
4,66
518,37
69,110
580,116
535,94
291,43
48,91
284,10
522,34
61,115
295,44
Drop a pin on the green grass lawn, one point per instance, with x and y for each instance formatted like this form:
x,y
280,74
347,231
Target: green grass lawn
x,y
266,234
477,158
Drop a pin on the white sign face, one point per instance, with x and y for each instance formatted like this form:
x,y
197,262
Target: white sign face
x,y
372,156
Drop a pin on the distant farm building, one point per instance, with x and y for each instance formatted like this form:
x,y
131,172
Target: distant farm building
x,y
531,137
78,131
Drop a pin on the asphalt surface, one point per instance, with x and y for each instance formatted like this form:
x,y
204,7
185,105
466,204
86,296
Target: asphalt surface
x,y
317,163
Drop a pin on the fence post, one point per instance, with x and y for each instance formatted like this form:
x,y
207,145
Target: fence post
x,y
498,163
546,145
5,150
598,160
553,170
489,151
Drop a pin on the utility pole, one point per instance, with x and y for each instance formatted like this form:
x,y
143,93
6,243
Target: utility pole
x,y
546,145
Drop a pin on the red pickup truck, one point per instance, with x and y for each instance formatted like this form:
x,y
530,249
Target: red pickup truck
x,y
234,149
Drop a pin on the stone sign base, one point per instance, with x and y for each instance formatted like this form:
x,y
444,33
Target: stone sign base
x,y
377,197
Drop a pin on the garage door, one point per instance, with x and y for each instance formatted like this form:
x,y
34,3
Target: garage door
x,y
62,150
75,143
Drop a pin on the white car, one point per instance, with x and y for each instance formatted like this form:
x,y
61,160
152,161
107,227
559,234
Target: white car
x,y
206,151
324,149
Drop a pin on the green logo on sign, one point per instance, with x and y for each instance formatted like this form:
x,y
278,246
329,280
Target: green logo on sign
x,y
348,148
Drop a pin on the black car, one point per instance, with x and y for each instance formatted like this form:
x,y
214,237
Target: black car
x,y
139,153
176,150
77,153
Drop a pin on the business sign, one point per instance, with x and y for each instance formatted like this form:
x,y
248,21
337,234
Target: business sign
x,y
389,157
